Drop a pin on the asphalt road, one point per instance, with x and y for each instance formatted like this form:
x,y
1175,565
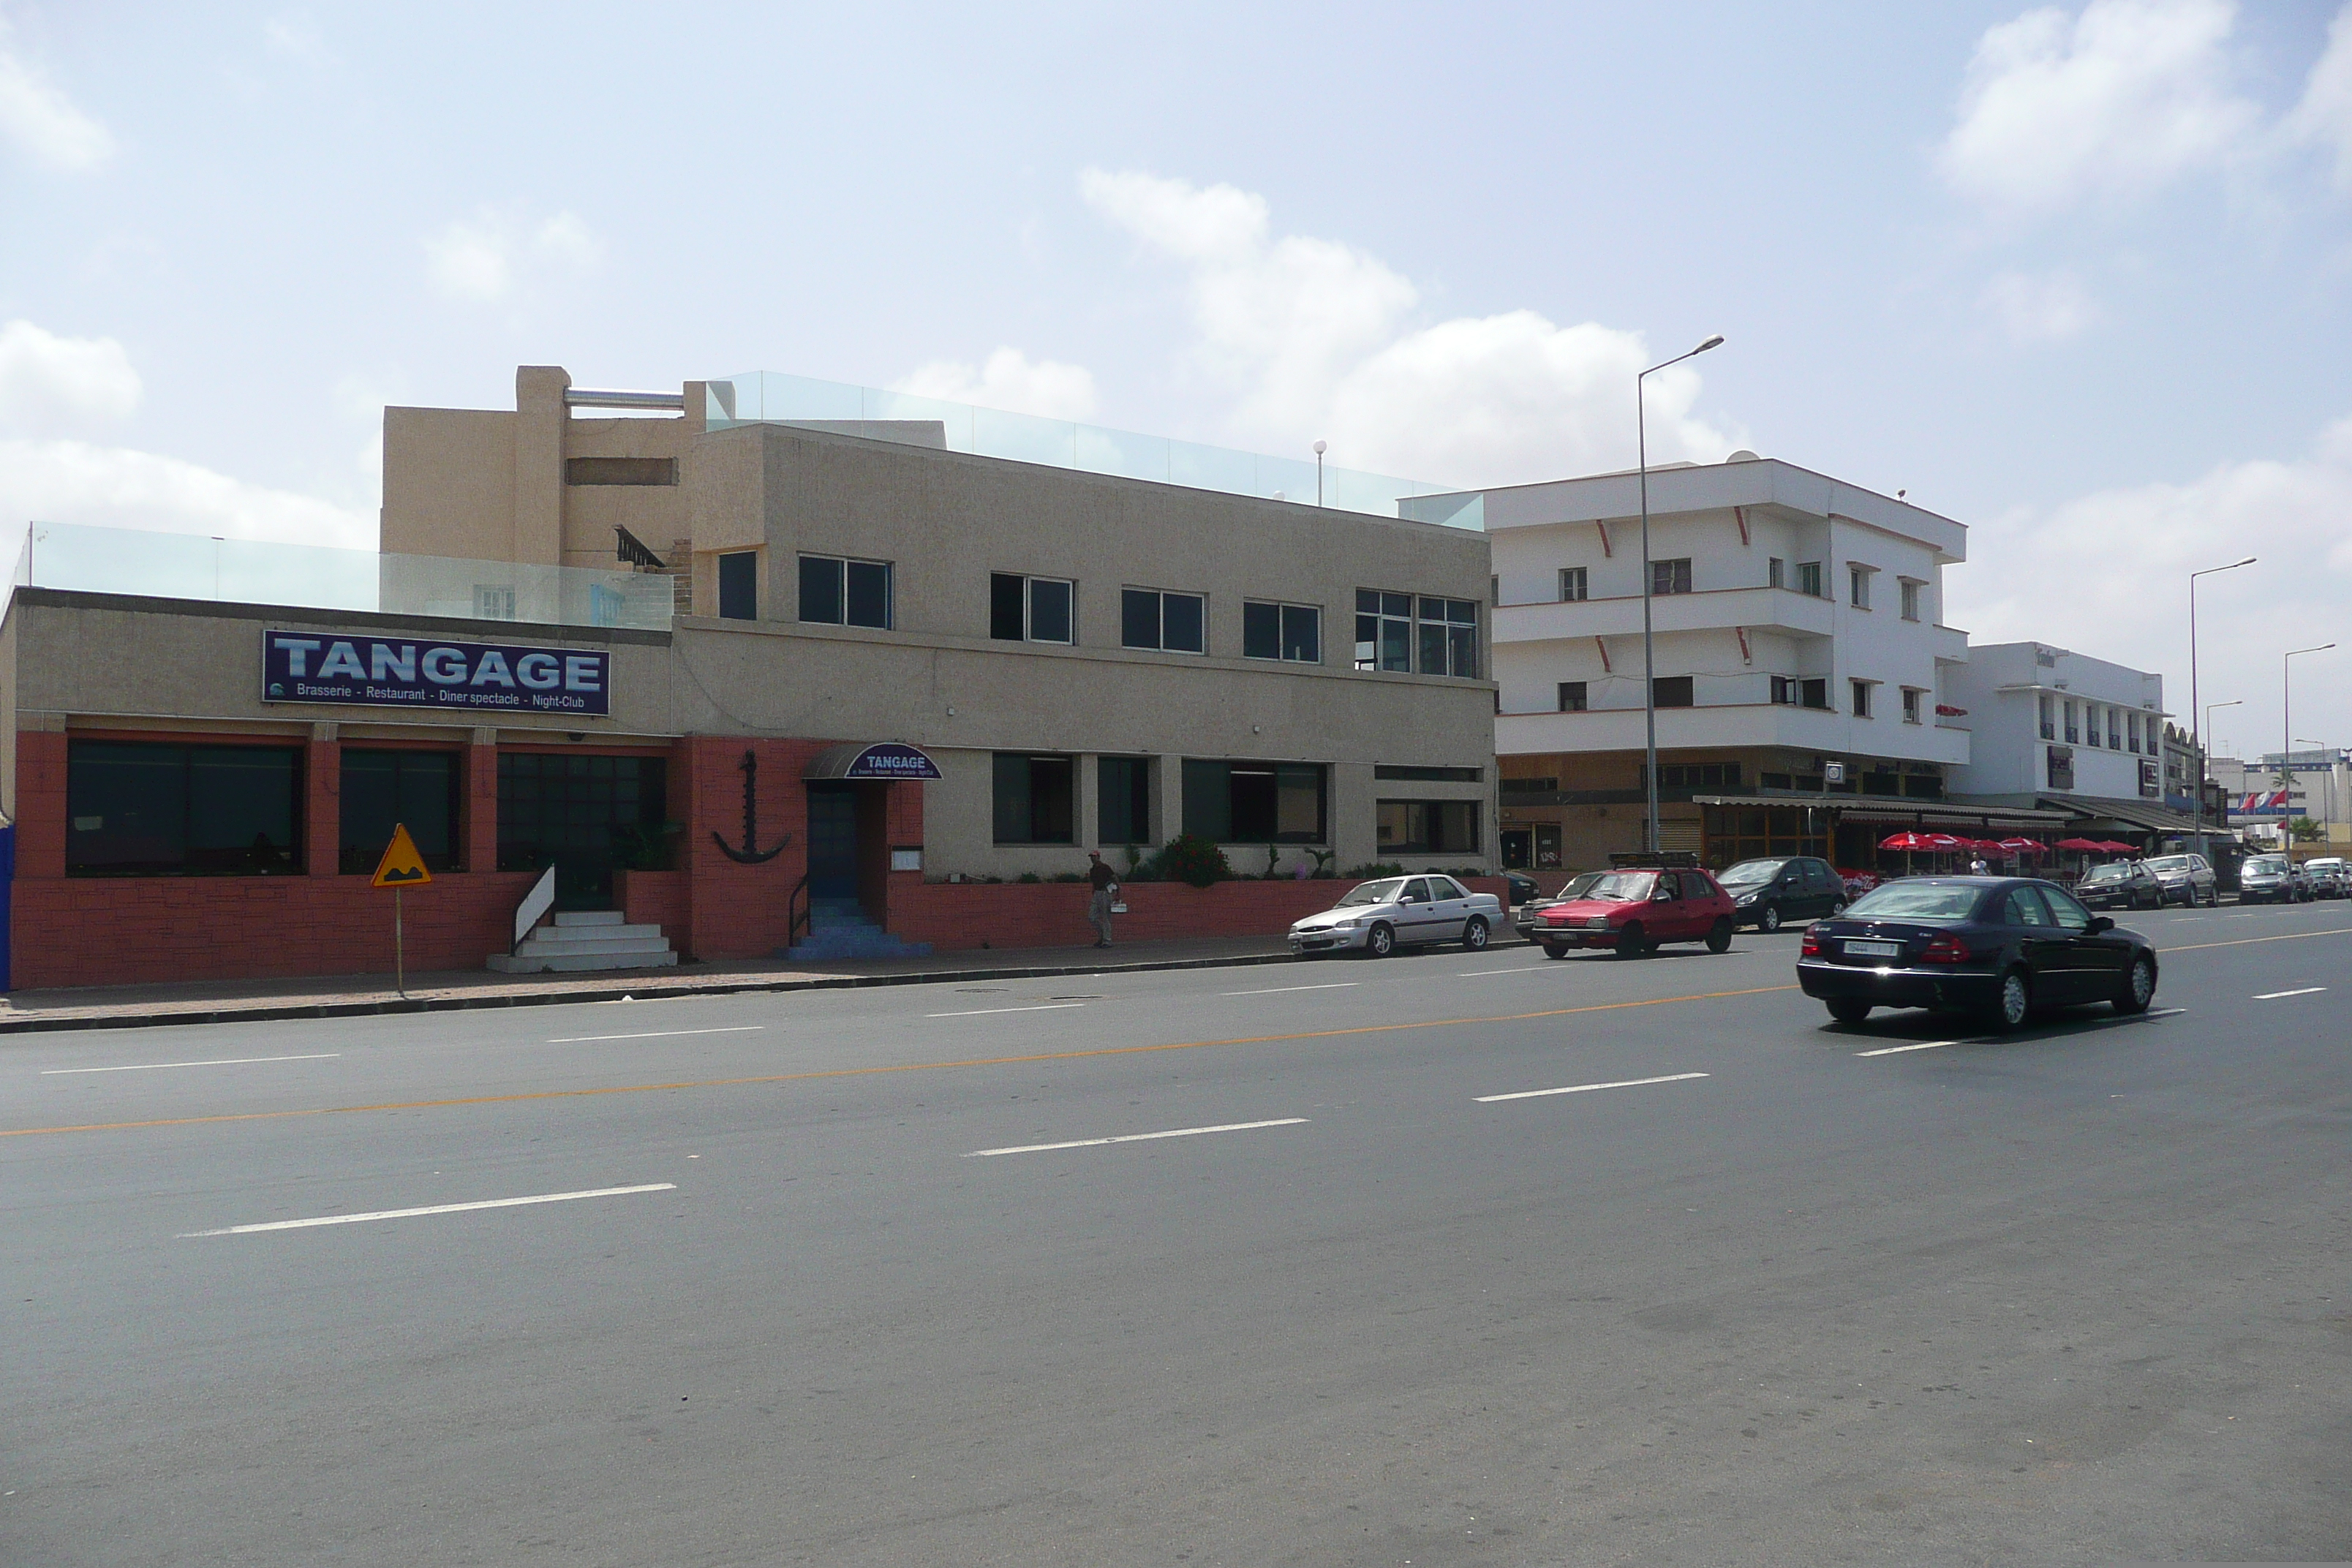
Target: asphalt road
x,y
2073,1297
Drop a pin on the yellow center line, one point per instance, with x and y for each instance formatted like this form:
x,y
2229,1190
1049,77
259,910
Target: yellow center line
x,y
865,1071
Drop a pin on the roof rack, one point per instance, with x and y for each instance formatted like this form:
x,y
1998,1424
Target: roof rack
x,y
1679,860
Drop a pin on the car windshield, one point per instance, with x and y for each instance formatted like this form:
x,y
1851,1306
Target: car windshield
x,y
1578,886
1621,887
2168,863
1373,893
1750,873
2108,874
1916,902
2270,865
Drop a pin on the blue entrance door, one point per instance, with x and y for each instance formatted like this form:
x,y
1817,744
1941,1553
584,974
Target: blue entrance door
x,y
832,840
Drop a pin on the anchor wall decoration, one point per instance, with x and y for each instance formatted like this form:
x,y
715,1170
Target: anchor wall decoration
x,y
749,855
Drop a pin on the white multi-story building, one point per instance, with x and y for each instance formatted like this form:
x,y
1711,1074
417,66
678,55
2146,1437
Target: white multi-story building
x,y
1801,661
2045,720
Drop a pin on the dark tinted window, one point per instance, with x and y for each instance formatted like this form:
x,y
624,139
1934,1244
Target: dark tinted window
x,y
1302,634
1005,619
738,585
869,593
1033,799
1181,618
1123,801
418,790
1049,610
821,589
135,808
1672,691
1138,618
1261,631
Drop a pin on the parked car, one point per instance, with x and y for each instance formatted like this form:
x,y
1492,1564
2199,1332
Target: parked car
x,y
2120,884
2272,879
2001,945
1767,892
2187,879
1635,909
2329,876
1531,913
1522,888
1377,918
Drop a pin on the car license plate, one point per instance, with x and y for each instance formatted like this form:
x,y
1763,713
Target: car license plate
x,y
1872,949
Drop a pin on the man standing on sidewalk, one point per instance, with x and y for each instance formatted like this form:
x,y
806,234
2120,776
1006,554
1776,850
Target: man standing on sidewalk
x,y
1098,912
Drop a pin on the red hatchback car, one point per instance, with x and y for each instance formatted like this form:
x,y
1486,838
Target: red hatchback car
x,y
1636,909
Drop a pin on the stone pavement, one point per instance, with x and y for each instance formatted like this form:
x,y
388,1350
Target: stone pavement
x,y
346,996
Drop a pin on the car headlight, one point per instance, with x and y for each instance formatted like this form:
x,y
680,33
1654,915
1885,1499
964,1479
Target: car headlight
x,y
1598,923
1745,899
1348,924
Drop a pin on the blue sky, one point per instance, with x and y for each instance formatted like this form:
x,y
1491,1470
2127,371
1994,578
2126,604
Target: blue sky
x,y
2080,276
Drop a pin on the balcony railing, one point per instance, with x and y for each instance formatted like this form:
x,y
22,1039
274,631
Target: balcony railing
x,y
318,577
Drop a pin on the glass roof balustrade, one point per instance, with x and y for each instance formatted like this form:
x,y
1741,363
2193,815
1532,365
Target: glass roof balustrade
x,y
765,397
318,577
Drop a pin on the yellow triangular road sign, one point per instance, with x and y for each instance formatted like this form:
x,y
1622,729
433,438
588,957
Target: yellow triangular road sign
x,y
402,866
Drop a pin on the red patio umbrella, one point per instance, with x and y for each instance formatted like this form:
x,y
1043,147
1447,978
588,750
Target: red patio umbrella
x,y
2082,845
2024,847
1945,841
2112,848
1906,841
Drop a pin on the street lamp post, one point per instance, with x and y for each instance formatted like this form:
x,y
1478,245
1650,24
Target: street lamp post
x,y
1649,670
2286,730
2199,739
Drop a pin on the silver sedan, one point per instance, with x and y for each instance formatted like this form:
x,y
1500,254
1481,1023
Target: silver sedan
x,y
1377,918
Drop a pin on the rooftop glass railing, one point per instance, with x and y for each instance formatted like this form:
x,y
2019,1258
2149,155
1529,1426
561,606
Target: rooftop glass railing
x,y
309,576
765,397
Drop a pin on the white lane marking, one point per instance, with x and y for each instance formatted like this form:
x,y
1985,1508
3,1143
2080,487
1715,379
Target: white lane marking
x,y
1279,990
657,1034
1584,1087
1898,1050
1517,969
1137,1137
2275,996
221,1062
977,1012
432,1208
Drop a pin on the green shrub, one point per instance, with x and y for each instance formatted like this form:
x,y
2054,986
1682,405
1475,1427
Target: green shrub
x,y
1193,860
1028,877
1372,871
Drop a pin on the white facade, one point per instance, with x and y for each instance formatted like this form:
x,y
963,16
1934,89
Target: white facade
x,y
2047,722
1803,614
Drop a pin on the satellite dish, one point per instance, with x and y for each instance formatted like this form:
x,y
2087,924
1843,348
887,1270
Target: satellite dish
x,y
1743,456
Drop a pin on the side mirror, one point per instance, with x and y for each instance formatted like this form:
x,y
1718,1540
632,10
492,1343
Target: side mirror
x,y
2098,923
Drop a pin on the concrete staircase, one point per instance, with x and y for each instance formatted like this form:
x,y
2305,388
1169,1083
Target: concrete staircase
x,y
587,939
838,930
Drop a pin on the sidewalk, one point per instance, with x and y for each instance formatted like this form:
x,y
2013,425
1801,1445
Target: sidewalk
x,y
352,995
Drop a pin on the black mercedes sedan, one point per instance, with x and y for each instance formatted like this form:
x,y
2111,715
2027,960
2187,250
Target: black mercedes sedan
x,y
2003,946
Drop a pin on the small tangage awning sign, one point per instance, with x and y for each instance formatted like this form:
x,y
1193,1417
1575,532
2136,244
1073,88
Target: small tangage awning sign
x,y
415,672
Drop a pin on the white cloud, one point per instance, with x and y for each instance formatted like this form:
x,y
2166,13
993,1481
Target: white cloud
x,y
495,255
2107,574
50,385
2115,102
1010,380
2030,309
43,123
2325,115
113,487
1315,337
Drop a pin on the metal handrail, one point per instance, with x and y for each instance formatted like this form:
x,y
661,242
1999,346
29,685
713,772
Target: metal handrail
x,y
533,908
793,914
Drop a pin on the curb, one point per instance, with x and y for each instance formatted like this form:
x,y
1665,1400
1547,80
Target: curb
x,y
265,1013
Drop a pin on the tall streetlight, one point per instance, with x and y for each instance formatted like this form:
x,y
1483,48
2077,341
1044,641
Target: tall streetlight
x,y
2199,739
1649,670
2286,729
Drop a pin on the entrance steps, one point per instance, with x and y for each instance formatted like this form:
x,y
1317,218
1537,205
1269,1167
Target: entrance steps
x,y
839,929
586,940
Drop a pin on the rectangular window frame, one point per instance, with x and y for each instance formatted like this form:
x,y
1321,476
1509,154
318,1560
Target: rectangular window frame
x,y
1033,797
1575,696
1912,705
177,829
1670,576
1123,792
1282,633
1857,579
1575,584
1418,826
1776,572
1235,801
1809,580
738,572
845,592
1425,634
1138,606
1861,697
1913,597
1673,691
441,844
1014,595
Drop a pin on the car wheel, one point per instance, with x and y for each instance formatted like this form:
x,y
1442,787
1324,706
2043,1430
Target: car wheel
x,y
1553,950
1629,943
1768,918
2139,986
2015,1003
1846,1010
1718,936
1837,908
1381,940
1473,934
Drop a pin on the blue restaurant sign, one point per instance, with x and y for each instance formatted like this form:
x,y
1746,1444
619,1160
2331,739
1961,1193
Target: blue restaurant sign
x,y
415,672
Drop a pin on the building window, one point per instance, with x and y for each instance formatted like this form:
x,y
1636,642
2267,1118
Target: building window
x,y
142,809
1808,579
1292,632
2074,733
2115,730
1390,627
1414,775
836,591
1697,775
1034,800
1572,696
1572,584
1797,692
418,790
1672,691
1670,576
1776,571
1911,695
2049,720
619,472
1254,802
2061,766
1173,622
738,585
1861,697
494,602
585,815
1123,800
1911,599
1428,827
1858,586
2150,729
1032,609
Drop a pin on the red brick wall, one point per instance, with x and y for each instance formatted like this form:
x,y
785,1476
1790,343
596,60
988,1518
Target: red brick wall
x,y
40,805
653,898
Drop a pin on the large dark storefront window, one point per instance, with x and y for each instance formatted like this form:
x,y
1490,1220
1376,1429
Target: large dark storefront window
x,y
1428,827
584,816
1123,801
1035,799
1254,802
381,788
136,808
